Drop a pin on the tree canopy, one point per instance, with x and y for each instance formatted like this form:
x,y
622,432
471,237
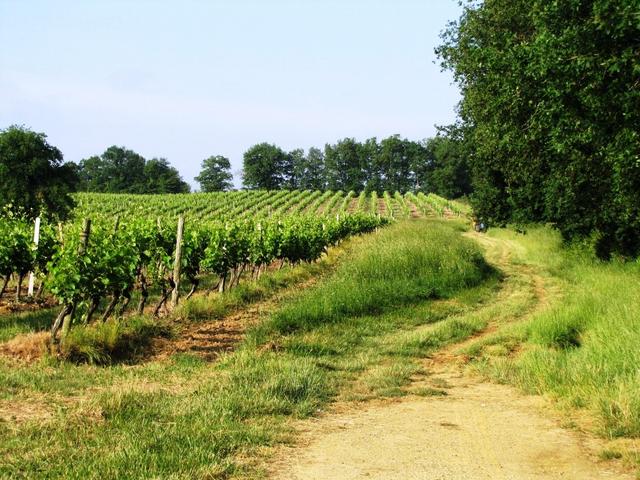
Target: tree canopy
x,y
392,164
448,164
215,175
119,170
551,105
265,167
33,179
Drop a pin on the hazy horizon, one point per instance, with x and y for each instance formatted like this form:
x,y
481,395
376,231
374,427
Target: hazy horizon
x,y
189,80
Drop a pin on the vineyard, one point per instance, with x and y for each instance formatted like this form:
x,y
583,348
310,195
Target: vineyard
x,y
262,203
118,245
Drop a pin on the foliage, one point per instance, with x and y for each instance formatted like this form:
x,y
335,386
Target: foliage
x,y
115,257
161,177
394,164
397,161
215,175
309,170
132,239
185,417
119,170
551,105
33,179
264,167
344,165
449,174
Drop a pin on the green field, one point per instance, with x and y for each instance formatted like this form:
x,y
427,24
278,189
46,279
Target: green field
x,y
200,390
248,203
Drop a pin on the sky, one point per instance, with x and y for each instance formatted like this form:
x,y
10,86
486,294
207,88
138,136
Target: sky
x,y
185,80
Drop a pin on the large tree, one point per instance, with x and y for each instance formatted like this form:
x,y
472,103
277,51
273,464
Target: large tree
x,y
448,172
33,179
310,173
215,175
264,167
161,177
294,169
120,170
396,158
551,104
345,165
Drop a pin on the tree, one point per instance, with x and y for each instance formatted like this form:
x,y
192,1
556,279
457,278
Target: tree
x,y
310,173
550,103
345,165
395,158
375,175
119,170
161,177
264,167
33,179
294,168
215,175
449,174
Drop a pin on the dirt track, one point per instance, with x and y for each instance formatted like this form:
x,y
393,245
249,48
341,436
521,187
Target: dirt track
x,y
477,431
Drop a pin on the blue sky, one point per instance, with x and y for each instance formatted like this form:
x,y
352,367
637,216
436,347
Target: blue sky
x,y
188,79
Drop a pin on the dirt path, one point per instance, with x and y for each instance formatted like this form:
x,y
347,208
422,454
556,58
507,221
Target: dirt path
x,y
467,430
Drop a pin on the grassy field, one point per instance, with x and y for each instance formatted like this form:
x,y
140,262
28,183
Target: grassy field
x,y
554,322
183,417
582,350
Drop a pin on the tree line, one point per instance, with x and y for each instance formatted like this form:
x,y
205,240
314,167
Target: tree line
x,y
120,170
551,105
34,179
392,164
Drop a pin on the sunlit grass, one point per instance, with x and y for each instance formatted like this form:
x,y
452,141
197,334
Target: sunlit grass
x,y
585,349
187,418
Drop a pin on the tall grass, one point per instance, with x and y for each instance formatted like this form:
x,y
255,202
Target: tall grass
x,y
411,263
186,418
585,350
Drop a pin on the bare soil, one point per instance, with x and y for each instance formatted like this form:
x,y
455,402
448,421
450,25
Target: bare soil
x,y
382,207
415,213
211,339
9,306
207,340
477,431
353,205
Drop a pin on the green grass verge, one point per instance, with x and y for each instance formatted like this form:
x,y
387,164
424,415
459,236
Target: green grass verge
x,y
184,418
26,322
585,349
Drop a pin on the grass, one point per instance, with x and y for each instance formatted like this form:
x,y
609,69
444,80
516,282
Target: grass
x,y
406,268
186,418
214,306
583,350
26,322
112,341
125,339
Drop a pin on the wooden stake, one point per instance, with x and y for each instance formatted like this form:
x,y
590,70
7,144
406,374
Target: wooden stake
x,y
36,240
177,262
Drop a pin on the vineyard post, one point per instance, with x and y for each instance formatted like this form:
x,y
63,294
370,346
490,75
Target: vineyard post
x,y
36,240
84,241
60,234
177,262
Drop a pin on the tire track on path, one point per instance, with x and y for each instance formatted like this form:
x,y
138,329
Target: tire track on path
x,y
476,431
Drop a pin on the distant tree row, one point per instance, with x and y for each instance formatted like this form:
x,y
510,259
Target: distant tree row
x,y
35,181
119,170
437,165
